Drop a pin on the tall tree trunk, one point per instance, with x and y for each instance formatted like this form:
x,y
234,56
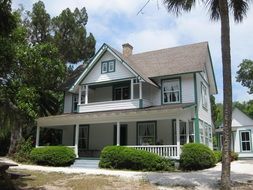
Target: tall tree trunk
x,y
227,94
16,136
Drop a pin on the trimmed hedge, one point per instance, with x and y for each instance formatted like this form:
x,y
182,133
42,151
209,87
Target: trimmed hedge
x,y
196,157
118,157
53,156
218,156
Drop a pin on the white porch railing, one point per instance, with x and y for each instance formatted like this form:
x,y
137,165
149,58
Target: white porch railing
x,y
167,151
112,105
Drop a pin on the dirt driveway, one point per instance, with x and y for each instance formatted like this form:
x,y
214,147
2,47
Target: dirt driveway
x,y
241,172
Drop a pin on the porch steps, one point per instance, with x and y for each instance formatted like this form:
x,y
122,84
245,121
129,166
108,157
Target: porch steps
x,y
91,163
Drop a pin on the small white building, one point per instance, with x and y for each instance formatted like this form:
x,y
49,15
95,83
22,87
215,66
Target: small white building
x,y
155,101
242,134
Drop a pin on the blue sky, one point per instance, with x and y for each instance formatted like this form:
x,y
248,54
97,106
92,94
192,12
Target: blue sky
x,y
116,22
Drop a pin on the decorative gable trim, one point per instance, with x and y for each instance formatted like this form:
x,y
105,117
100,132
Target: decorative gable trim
x,y
94,60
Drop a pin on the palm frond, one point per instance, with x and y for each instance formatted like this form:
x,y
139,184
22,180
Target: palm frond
x,y
213,8
177,6
239,9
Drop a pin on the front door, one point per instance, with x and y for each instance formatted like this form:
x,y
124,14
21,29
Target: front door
x,y
83,137
123,135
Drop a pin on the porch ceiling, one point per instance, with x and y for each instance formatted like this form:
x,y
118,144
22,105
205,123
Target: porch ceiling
x,y
181,111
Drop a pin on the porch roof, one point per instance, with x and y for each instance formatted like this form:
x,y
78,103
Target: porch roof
x,y
150,113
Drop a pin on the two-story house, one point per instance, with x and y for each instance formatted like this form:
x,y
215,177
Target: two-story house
x,y
154,101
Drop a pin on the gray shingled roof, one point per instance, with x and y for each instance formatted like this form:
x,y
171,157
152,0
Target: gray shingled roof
x,y
170,61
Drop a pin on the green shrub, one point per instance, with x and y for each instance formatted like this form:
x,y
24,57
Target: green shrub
x,y
53,156
218,156
234,156
196,156
118,157
24,149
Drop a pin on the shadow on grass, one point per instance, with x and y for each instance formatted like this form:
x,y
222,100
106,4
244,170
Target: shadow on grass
x,y
18,184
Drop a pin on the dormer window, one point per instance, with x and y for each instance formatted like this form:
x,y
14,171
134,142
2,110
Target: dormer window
x,y
108,66
171,91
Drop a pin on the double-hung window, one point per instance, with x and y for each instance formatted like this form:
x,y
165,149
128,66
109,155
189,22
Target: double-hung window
x,y
108,66
204,95
121,93
171,91
245,141
75,102
183,136
146,133
191,132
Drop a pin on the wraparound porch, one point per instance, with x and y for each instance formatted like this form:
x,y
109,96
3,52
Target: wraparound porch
x,y
161,131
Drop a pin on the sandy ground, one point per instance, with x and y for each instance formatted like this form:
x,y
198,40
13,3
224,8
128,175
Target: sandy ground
x,y
241,172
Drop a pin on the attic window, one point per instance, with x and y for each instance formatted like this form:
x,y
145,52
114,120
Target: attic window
x,y
108,66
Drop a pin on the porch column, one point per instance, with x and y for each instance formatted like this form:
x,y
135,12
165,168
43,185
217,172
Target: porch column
x,y
118,133
86,94
140,90
140,95
178,137
38,136
132,89
187,132
76,140
79,95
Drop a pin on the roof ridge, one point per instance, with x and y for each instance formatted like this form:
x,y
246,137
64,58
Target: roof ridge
x,y
175,47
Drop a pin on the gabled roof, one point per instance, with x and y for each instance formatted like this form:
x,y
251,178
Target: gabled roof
x,y
239,119
170,61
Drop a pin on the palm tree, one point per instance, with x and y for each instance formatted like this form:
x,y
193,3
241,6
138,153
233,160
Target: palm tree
x,y
219,10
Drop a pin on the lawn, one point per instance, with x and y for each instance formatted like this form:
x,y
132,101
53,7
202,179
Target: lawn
x,y
60,181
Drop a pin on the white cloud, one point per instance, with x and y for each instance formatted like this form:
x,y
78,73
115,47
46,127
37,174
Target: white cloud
x,y
146,40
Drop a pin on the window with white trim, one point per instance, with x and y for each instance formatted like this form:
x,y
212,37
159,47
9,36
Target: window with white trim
x,y
171,91
183,136
201,132
245,141
191,132
146,133
75,101
121,93
204,95
108,66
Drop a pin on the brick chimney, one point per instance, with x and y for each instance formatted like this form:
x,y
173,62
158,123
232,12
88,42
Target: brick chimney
x,y
127,50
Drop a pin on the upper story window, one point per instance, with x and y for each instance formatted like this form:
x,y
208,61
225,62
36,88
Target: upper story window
x,y
171,92
108,66
75,101
204,95
121,93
